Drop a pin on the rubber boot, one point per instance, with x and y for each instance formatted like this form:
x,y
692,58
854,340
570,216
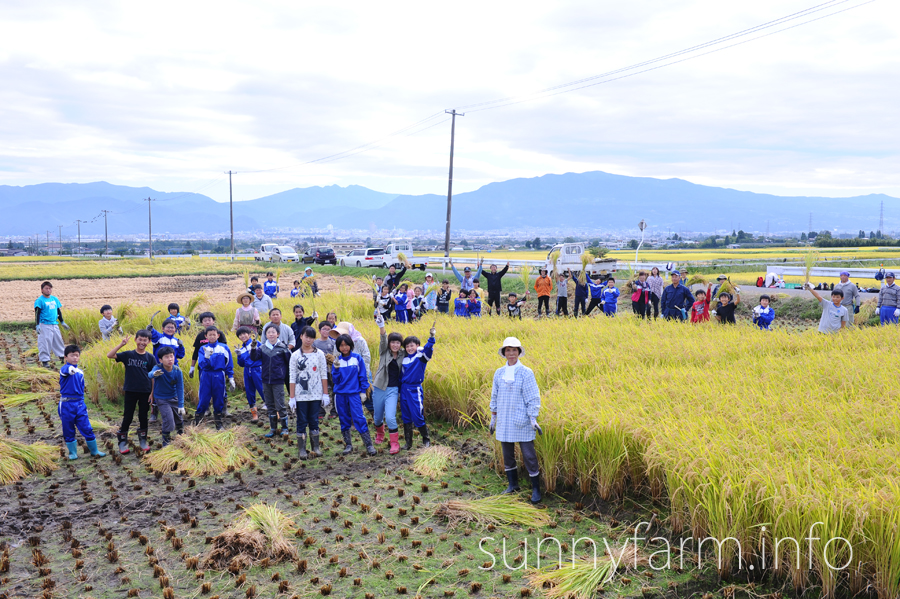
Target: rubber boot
x,y
379,434
154,414
142,440
314,441
123,443
408,434
92,447
284,427
348,442
394,438
198,417
179,431
47,365
535,489
512,477
423,430
367,441
219,420
72,446
166,439
301,446
254,415
273,426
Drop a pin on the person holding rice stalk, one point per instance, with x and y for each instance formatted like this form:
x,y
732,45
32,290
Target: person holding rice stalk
x,y
515,405
430,291
386,385
494,280
47,318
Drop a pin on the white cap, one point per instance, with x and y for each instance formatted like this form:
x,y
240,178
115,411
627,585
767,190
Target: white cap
x,y
512,342
307,268
428,274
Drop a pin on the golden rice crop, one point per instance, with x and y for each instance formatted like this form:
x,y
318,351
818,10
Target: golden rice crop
x,y
16,379
525,276
496,509
262,532
18,460
201,451
433,461
577,579
17,399
129,267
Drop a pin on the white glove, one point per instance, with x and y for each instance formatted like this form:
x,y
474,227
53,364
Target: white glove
x,y
737,290
537,427
493,426
808,286
431,332
157,373
208,352
712,312
191,372
315,315
231,382
379,321
37,328
326,400
181,412
293,404
65,326
897,313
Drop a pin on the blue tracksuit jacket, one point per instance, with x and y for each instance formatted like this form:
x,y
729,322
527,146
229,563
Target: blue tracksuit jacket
x,y
72,411
610,296
349,374
169,386
213,371
412,375
270,288
161,340
595,288
461,307
252,373
763,317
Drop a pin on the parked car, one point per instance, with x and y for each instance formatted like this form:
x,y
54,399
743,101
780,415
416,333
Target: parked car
x,y
271,252
366,257
319,254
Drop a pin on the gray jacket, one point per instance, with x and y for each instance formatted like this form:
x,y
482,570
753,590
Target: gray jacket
x,y
889,297
850,291
381,375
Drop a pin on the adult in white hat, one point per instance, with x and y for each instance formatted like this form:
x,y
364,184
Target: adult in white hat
x,y
430,291
515,405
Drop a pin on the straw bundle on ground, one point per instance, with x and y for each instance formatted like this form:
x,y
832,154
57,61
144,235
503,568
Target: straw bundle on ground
x,y
433,461
201,451
261,533
18,379
18,460
496,509
17,399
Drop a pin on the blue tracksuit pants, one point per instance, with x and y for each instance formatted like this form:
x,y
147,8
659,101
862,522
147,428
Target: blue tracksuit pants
x,y
212,389
402,315
411,406
350,412
74,414
253,384
887,315
610,309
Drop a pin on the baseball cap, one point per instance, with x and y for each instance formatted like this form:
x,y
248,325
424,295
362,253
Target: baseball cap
x,y
467,269
721,278
844,273
889,273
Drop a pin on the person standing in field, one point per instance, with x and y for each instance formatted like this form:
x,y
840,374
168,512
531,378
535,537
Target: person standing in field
x,y
246,315
676,299
494,280
640,295
700,309
430,291
309,390
834,316
724,311
361,347
261,301
581,293
851,299
47,318
393,278
562,295
350,380
137,388
386,386
715,289
543,286
888,300
515,406
467,279
656,283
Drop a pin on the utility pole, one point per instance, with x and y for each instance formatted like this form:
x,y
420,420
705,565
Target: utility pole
x,y
450,179
79,233
810,223
60,239
150,227
105,232
48,243
881,219
231,213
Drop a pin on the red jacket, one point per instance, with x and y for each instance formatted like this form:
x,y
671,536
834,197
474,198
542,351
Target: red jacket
x,y
700,309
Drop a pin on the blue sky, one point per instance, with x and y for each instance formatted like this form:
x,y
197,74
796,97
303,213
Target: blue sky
x,y
171,96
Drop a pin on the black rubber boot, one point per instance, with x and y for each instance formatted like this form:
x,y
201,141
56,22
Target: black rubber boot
x,y
535,489
512,477
314,441
367,441
142,439
408,435
301,446
273,426
123,442
284,427
423,430
219,420
198,417
154,414
348,442
166,439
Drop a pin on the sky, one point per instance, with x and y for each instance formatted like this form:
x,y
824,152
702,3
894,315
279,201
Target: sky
x,y
173,94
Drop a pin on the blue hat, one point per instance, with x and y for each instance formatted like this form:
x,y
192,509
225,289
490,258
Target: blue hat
x,y
675,272
844,273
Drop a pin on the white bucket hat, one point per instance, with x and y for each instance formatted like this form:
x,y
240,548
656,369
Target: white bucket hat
x,y
428,274
512,342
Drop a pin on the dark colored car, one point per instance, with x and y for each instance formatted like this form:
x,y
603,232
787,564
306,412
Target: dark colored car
x,y
319,255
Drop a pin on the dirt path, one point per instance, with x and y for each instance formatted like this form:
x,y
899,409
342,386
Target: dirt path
x,y
93,293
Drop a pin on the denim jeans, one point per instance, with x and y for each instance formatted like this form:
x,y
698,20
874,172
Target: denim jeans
x,y
385,406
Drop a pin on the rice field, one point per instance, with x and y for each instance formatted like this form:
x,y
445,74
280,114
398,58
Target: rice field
x,y
130,267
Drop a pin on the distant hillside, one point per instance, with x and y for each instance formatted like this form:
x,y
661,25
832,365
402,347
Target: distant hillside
x,y
596,200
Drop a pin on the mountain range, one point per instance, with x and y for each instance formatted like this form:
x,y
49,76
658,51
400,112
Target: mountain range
x,y
577,201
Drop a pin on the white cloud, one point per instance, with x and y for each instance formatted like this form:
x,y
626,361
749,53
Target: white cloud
x,y
176,94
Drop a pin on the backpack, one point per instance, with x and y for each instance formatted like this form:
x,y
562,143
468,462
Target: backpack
x,y
760,282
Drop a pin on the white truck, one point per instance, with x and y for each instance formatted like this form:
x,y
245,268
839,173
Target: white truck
x,y
392,251
272,252
570,259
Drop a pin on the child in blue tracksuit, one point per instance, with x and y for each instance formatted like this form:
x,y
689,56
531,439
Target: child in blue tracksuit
x,y
72,411
763,314
461,305
349,375
252,370
610,297
413,373
166,338
215,365
473,305
596,289
270,287
168,394
400,301
581,294
176,317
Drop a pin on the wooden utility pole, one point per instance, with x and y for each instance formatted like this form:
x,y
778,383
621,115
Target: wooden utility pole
x,y
150,226
231,213
454,114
